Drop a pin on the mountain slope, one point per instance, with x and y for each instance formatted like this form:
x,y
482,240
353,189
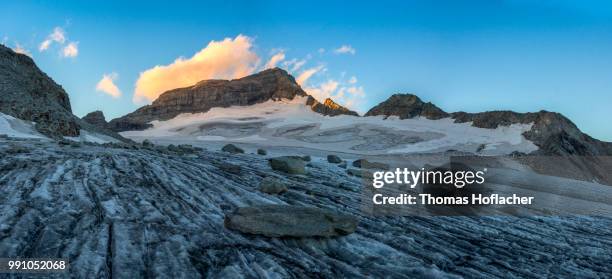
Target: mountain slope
x,y
272,84
552,132
29,94
407,106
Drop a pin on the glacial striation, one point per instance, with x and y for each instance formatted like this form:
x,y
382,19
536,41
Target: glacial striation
x,y
151,212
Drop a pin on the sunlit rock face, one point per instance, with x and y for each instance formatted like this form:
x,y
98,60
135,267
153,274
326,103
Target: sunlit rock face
x,y
329,107
272,84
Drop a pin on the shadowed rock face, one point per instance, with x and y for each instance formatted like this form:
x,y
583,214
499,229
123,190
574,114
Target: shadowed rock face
x,y
552,132
407,106
292,221
96,118
29,94
267,85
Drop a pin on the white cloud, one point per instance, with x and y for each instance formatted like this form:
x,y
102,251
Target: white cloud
x,y
71,50
346,94
20,49
324,90
307,74
321,50
107,85
58,35
345,49
275,59
227,59
293,65
353,80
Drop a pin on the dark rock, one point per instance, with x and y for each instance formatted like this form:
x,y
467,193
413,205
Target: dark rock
x,y
232,149
266,85
288,164
97,119
272,185
29,94
363,163
230,168
552,132
334,159
306,158
343,164
262,151
360,173
147,143
407,106
290,221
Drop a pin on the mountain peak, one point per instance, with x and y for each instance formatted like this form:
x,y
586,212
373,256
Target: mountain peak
x,y
270,84
328,107
407,106
29,94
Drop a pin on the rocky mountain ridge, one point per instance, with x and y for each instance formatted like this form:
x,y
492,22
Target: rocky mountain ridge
x,y
29,94
552,132
271,84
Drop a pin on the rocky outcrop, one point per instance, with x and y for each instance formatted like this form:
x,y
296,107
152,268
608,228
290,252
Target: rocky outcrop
x,y
329,107
29,94
290,221
407,106
288,164
272,84
552,132
96,118
230,148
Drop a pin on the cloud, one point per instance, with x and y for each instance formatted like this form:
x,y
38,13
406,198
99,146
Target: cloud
x,y
58,35
345,93
71,50
324,90
321,50
107,85
353,80
275,59
307,74
20,49
227,59
293,65
345,49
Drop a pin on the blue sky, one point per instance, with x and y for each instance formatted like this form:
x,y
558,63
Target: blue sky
x,y
460,55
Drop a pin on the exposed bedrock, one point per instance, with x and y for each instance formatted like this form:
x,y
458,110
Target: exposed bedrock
x,y
272,84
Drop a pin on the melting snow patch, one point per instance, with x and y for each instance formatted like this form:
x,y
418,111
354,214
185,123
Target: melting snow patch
x,y
293,123
86,136
17,128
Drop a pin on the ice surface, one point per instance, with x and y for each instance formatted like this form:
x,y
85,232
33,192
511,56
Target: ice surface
x,y
17,128
292,123
129,213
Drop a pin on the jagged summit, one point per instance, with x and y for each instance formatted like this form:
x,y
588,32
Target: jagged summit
x,y
407,106
271,84
552,132
328,107
96,118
